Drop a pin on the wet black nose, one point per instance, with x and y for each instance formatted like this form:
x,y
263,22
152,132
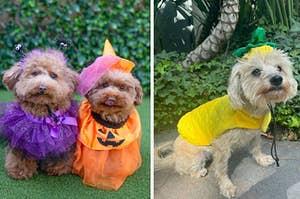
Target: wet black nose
x,y
276,80
42,89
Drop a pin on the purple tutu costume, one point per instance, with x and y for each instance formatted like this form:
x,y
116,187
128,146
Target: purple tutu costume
x,y
39,138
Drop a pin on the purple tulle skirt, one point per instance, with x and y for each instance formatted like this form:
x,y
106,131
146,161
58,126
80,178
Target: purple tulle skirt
x,y
39,137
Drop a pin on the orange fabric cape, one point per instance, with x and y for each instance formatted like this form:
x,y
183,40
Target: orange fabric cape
x,y
104,156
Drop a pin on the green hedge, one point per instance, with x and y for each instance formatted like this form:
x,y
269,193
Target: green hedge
x,y
86,23
177,91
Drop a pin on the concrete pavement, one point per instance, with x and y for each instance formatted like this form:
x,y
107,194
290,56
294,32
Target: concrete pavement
x,y
252,180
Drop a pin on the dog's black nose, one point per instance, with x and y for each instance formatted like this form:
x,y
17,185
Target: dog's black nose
x,y
276,80
42,89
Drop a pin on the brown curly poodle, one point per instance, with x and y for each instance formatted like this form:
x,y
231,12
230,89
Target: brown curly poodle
x,y
114,96
108,146
41,125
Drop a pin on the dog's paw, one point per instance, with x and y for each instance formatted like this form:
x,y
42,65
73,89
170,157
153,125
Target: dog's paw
x,y
264,160
228,190
197,171
58,172
200,173
58,169
20,174
203,172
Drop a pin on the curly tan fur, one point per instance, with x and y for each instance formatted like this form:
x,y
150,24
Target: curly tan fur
x,y
248,90
35,73
19,167
60,166
115,95
41,79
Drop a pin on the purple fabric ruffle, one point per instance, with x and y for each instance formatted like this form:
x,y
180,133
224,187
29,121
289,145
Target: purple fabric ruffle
x,y
39,137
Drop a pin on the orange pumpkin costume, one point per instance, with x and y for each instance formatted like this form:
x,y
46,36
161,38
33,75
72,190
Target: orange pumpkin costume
x,y
104,156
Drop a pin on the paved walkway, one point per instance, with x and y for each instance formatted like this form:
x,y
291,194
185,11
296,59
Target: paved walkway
x,y
253,181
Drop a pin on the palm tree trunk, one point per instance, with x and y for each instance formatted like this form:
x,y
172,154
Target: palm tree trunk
x,y
219,35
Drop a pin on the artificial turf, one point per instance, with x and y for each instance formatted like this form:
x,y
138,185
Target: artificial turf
x,y
70,186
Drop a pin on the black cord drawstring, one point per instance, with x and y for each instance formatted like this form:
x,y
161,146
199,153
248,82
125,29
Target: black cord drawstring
x,y
52,115
273,129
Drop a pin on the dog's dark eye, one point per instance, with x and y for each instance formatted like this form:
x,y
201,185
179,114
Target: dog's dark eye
x,y
256,72
35,73
279,68
122,88
53,75
105,85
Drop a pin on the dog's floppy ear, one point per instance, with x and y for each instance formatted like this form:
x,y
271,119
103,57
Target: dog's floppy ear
x,y
73,76
138,91
234,89
11,76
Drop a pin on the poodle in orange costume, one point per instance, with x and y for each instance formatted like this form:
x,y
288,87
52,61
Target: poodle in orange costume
x,y
108,144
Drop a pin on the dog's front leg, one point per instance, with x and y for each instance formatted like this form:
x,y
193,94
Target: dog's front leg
x,y
261,158
221,157
17,166
59,165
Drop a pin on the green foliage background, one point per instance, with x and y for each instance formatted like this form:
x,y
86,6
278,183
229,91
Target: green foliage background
x,y
177,91
37,24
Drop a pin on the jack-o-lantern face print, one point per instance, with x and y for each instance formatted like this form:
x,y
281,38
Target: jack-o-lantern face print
x,y
111,138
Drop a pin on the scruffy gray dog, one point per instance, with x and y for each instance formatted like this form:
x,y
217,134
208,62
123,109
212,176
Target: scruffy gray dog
x,y
262,77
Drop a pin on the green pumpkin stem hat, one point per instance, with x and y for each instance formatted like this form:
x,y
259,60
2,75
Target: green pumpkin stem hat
x,y
256,45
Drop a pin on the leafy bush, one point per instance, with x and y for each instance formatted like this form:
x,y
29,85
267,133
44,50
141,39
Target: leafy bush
x,y
177,91
86,23
288,115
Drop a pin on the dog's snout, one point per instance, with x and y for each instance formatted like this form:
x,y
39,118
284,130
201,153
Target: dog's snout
x,y
110,101
276,80
42,89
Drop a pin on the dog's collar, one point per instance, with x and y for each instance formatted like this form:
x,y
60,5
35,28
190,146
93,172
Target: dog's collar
x,y
98,119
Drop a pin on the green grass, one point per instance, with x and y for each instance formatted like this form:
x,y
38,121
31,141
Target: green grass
x,y
6,96
70,186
